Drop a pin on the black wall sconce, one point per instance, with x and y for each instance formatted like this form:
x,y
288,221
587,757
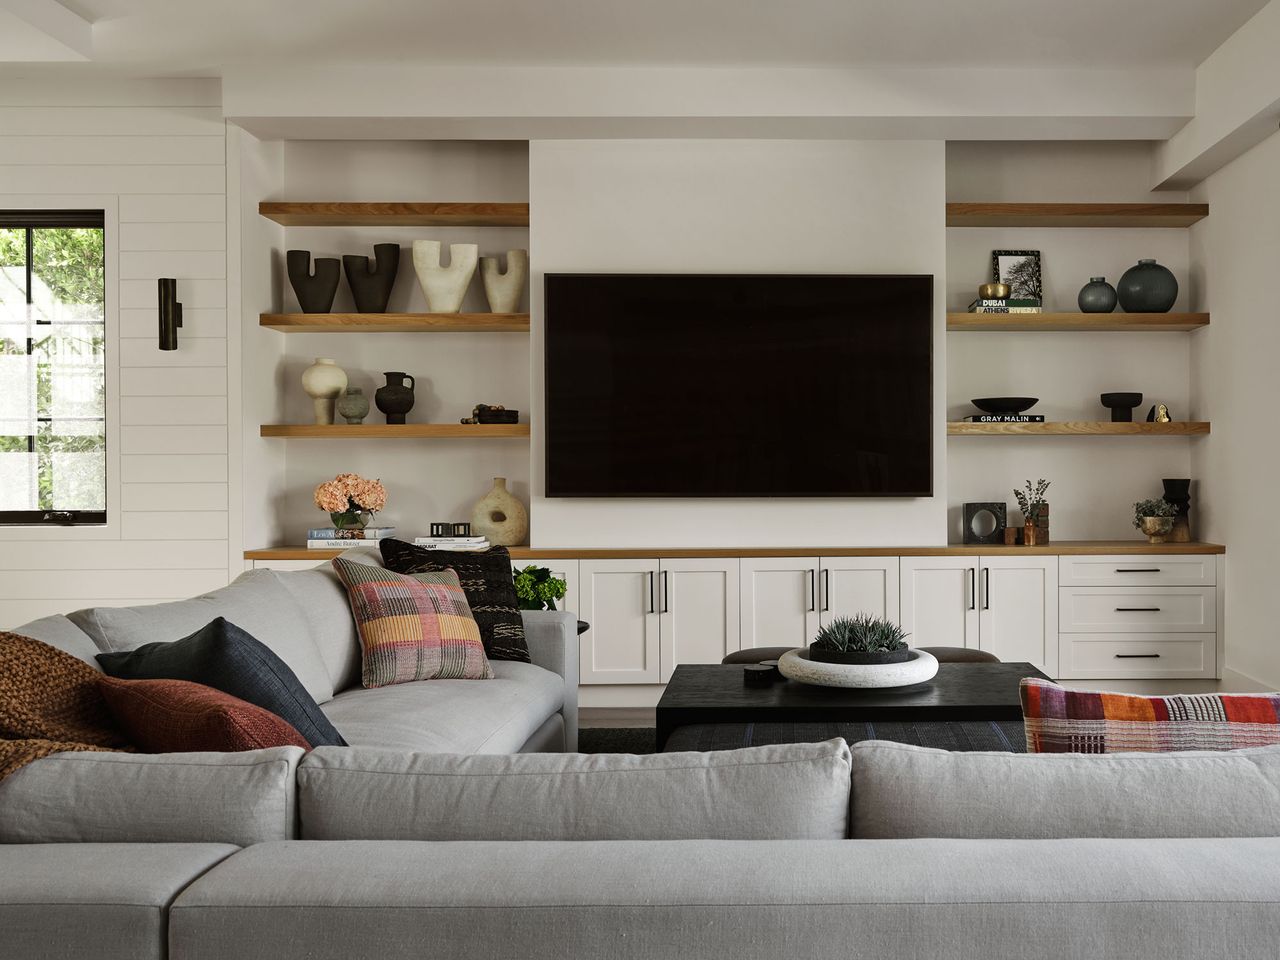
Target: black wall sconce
x,y
170,313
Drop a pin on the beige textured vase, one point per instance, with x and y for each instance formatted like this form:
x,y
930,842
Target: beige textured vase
x,y
503,290
444,287
499,516
324,382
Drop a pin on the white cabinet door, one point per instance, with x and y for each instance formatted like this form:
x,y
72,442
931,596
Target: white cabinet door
x,y
779,601
619,598
939,599
1018,610
566,570
698,611
853,585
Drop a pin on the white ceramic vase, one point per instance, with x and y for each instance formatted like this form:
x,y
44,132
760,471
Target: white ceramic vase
x,y
444,287
324,382
503,290
500,517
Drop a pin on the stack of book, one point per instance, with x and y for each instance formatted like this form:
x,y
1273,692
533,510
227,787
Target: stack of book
x,y
1006,418
331,538
471,544
1004,305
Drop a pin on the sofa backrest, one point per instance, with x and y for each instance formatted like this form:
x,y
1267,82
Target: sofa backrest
x,y
323,599
58,631
91,797
790,791
902,791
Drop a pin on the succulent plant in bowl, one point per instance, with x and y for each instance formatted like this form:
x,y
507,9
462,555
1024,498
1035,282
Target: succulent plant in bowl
x,y
860,639
1154,518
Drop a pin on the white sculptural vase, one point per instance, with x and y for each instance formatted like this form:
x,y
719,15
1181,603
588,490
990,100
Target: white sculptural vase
x,y
444,287
503,290
324,382
500,517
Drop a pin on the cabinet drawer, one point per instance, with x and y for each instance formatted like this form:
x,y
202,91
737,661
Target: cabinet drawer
x,y
1199,570
1146,610
1135,656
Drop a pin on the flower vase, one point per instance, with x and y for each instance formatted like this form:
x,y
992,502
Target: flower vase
x,y
1031,535
324,382
351,520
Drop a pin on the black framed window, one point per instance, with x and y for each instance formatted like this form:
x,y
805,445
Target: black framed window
x,y
52,367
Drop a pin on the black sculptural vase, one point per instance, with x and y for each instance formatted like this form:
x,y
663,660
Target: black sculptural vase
x,y
396,398
1178,492
372,288
315,291
1147,288
1121,405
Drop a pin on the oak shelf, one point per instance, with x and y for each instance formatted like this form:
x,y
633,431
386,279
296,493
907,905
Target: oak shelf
x,y
1075,214
1078,428
403,431
1140,322
321,214
396,322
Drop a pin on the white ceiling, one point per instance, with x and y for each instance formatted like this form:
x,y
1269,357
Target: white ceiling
x,y
203,37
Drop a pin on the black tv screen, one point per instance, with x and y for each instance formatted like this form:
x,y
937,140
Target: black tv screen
x,y
676,385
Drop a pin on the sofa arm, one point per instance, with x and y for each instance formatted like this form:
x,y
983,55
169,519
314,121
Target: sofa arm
x,y
552,636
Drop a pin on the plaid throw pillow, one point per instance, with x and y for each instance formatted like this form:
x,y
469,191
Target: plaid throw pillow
x,y
490,587
1076,721
415,627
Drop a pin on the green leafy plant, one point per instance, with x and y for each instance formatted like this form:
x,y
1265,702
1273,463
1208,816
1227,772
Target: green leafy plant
x,y
1152,508
862,633
1031,501
537,589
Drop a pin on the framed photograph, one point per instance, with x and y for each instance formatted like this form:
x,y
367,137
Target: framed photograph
x,y
1020,269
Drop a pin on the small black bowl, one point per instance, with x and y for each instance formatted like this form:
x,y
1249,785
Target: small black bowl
x,y
1121,405
1005,404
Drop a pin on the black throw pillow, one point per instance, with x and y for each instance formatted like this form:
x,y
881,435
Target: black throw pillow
x,y
222,656
487,581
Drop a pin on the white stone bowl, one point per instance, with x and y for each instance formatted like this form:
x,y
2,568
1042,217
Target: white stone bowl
x,y
796,665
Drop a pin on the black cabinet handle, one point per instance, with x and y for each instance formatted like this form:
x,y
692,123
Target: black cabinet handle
x,y
651,609
986,588
1138,570
1137,609
666,594
973,599
826,589
1137,656
813,602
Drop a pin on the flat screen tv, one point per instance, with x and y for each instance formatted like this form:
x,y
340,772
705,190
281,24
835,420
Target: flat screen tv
x,y
678,385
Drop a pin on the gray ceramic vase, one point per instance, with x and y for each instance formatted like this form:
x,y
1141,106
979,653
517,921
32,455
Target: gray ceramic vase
x,y
1097,296
1147,288
353,406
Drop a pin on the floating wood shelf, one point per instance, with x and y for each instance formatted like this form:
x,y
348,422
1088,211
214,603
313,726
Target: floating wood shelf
x,y
1080,428
1075,214
410,431
397,214
1077,321
396,322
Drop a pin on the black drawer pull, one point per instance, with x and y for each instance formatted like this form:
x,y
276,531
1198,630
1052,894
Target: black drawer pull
x,y
1139,570
1137,656
1137,609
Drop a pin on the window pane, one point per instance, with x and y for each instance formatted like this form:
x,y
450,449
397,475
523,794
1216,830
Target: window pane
x,y
13,275
17,395
72,465
18,480
67,275
70,375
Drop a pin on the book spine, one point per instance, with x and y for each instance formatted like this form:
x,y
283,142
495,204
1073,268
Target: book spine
x,y
313,544
457,547
1007,418
332,533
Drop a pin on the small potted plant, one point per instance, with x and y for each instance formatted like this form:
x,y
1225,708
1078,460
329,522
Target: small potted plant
x,y
1154,518
537,589
350,500
1033,505
860,639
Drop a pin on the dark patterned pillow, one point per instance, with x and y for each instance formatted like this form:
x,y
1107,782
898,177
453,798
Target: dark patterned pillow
x,y
486,580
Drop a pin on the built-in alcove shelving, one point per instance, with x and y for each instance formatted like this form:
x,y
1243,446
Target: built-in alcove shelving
x,y
1079,428
1075,214
398,431
327,214
1083,322
396,322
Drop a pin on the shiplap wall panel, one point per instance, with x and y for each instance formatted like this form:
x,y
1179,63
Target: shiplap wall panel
x,y
158,147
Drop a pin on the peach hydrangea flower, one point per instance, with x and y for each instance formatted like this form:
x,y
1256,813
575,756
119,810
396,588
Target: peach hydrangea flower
x,y
348,492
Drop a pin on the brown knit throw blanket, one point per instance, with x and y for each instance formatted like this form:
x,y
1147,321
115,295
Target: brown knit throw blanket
x,y
49,702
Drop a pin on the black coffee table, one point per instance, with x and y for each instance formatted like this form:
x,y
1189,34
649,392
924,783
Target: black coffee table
x,y
704,693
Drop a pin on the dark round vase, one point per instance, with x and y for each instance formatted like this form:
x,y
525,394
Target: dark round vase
x,y
1147,288
315,290
1097,296
371,289
396,398
850,656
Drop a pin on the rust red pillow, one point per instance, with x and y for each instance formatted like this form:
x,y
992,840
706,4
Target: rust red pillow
x,y
177,716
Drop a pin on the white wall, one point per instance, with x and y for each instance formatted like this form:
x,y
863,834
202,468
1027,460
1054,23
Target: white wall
x,y
152,153
1094,481
1236,249
738,206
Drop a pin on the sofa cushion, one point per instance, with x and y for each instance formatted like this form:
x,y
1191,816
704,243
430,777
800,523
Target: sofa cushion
x,y
907,791
255,602
58,631
107,901
738,900
797,790
222,656
323,598
1059,720
489,584
175,716
239,798
451,716
412,627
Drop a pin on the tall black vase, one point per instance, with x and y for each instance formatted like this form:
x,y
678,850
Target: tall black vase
x,y
372,288
315,290
1178,493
